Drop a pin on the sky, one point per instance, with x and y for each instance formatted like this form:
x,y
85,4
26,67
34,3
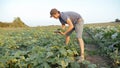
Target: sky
x,y
37,12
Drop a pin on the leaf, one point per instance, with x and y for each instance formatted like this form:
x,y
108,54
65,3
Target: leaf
x,y
2,65
114,35
92,66
74,65
75,52
70,53
49,54
46,65
63,52
64,64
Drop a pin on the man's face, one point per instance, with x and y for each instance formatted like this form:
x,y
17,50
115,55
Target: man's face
x,y
56,15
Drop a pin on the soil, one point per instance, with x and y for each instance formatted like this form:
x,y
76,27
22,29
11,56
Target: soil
x,y
96,58
93,56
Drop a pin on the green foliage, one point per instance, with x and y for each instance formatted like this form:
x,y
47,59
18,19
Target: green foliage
x,y
40,47
36,47
108,39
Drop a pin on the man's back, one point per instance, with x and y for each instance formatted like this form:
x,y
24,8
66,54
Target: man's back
x,y
73,16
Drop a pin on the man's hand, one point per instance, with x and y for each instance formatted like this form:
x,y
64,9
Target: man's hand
x,y
62,33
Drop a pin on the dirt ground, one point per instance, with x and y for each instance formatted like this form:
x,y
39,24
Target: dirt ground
x,y
93,57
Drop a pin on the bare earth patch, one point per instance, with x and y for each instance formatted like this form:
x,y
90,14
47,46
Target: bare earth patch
x,y
96,59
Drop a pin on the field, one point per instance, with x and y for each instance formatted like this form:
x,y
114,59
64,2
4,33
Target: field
x,y
40,47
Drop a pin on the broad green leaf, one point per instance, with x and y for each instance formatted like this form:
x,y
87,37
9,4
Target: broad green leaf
x,y
74,65
46,65
63,51
49,54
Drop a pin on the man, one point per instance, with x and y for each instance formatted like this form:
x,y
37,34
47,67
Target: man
x,y
75,22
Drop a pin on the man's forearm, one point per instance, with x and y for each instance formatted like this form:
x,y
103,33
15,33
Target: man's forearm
x,y
63,27
69,29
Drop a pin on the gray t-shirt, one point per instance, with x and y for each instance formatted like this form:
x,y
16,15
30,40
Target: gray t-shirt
x,y
73,16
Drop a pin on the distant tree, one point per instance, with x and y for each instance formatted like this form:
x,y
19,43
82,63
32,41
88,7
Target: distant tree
x,y
17,22
117,20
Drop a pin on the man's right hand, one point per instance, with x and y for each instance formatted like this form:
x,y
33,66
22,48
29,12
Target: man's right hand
x,y
59,31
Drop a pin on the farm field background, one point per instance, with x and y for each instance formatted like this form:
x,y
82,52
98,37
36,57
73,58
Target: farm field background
x,y
40,47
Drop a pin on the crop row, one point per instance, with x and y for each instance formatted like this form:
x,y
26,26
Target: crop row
x,y
37,47
108,40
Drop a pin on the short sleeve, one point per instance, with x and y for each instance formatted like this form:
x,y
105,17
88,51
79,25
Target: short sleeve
x,y
63,18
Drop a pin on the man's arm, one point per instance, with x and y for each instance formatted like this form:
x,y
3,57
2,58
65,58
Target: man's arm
x,y
69,22
63,26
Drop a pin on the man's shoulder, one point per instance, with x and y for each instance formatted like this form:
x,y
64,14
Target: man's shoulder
x,y
63,15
